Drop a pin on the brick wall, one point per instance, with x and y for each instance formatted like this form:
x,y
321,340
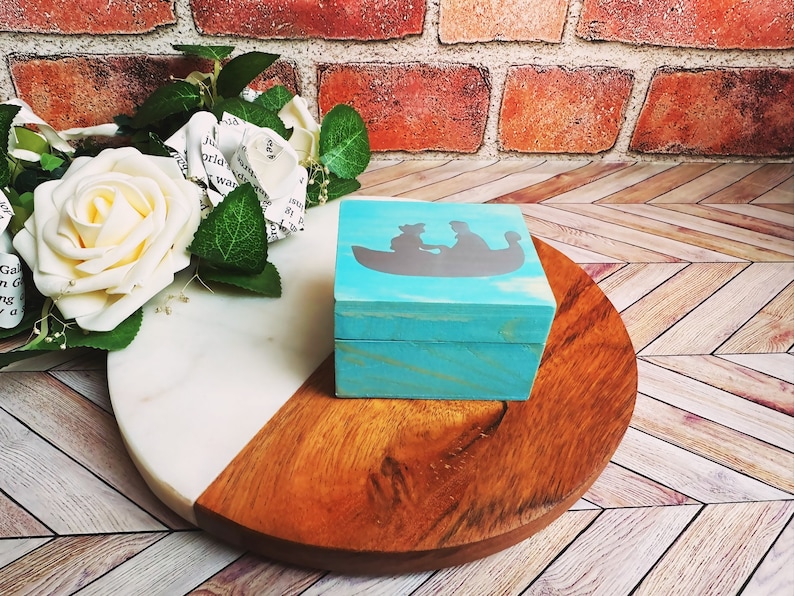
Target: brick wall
x,y
613,79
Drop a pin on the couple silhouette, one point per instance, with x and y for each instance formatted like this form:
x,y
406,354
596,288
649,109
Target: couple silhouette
x,y
469,256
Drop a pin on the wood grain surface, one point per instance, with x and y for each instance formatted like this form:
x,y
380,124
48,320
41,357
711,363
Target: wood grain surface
x,y
382,486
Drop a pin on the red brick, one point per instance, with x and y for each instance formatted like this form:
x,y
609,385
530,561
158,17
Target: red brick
x,y
86,90
85,16
746,111
750,24
504,20
412,107
328,19
549,109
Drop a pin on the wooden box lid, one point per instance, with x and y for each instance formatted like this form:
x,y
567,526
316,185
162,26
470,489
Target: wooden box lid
x,y
417,271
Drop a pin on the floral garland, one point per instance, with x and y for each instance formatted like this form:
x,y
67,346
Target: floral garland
x,y
207,174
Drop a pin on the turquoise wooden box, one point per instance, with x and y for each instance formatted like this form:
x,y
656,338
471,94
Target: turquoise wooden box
x,y
437,300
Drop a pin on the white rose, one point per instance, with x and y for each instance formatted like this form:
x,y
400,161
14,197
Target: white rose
x,y
110,234
305,137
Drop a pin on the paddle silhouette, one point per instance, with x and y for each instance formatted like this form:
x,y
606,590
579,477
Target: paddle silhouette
x,y
470,256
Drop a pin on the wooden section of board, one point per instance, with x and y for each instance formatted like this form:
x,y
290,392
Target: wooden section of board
x,y
378,486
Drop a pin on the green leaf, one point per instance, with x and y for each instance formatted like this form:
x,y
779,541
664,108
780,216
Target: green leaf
x,y
7,113
155,146
117,339
211,52
179,96
274,98
267,283
337,187
74,337
19,218
50,162
241,70
25,200
344,144
26,181
8,358
30,141
251,112
233,235
5,171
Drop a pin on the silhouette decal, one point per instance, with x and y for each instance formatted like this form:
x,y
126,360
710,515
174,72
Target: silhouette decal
x,y
469,256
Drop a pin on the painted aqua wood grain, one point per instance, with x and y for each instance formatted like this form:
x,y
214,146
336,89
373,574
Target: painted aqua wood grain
x,y
464,278
436,370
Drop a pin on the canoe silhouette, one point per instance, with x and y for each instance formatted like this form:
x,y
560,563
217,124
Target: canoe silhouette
x,y
448,262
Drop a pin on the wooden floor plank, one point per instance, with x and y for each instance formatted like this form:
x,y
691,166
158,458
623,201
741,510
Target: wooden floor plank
x,y
783,193
771,330
509,572
412,184
174,565
717,442
376,176
597,562
732,377
91,384
708,184
611,184
251,574
545,223
475,186
636,245
86,433
583,175
775,574
580,255
778,366
688,473
484,193
747,219
619,487
734,240
65,565
636,280
756,211
653,314
483,186
719,551
754,184
17,522
12,549
716,405
660,183
58,491
704,329
334,584
638,231
600,271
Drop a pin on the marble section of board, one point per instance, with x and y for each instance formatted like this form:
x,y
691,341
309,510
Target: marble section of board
x,y
184,421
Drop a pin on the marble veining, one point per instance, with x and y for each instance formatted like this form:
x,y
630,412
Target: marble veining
x,y
196,385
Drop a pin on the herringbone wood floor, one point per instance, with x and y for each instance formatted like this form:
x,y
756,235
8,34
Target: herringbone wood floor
x,y
699,260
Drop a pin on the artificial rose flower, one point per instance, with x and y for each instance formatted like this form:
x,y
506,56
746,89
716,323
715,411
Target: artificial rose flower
x,y
231,152
110,234
271,165
305,137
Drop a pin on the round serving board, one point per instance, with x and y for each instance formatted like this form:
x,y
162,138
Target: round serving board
x,y
227,408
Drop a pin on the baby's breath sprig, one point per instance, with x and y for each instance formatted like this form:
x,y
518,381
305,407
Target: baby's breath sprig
x,y
319,175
